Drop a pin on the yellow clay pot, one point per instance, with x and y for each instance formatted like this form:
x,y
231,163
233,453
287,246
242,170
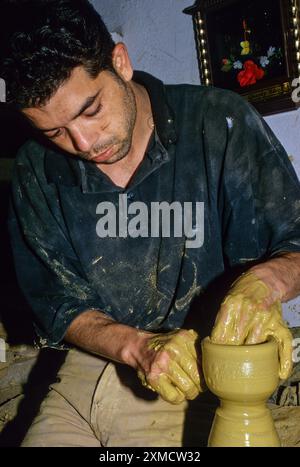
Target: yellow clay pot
x,y
243,377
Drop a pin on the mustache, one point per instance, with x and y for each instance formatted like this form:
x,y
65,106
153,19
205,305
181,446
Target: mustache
x,y
98,148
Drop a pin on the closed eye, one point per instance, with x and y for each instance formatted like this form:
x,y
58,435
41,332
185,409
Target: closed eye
x,y
92,114
95,112
55,135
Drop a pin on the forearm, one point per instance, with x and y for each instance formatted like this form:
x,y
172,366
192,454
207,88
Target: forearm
x,y
97,333
165,363
282,275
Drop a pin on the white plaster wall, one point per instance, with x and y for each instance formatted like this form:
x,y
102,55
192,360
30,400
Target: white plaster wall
x,y
158,35
286,127
160,40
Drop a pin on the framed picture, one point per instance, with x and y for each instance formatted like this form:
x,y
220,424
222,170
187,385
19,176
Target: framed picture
x,y
251,47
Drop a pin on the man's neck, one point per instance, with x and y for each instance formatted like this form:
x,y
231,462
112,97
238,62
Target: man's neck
x,y
121,172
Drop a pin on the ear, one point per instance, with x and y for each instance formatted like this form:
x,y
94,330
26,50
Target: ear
x,y
121,62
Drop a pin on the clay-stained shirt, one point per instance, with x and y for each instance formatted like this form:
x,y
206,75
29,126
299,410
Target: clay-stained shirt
x,y
209,147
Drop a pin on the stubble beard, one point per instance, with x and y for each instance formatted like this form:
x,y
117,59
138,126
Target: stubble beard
x,y
130,114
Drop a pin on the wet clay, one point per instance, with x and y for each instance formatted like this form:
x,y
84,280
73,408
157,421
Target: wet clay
x,y
175,374
249,315
243,377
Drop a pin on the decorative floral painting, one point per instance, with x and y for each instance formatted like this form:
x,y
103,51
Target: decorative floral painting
x,y
246,44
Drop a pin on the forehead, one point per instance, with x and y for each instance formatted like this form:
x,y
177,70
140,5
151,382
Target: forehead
x,y
67,100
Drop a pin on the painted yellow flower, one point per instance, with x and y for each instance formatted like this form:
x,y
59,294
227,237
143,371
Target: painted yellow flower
x,y
245,48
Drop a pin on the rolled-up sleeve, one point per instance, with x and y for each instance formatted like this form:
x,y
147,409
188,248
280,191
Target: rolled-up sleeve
x,y
48,270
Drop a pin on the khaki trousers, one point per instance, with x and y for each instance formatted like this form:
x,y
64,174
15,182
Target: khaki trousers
x,y
97,403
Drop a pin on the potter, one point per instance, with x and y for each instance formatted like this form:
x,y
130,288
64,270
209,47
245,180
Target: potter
x,y
120,303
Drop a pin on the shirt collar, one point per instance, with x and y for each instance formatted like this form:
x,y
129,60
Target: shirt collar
x,y
162,114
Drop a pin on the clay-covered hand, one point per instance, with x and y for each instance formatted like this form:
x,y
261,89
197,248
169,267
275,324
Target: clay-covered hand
x,y
249,314
173,371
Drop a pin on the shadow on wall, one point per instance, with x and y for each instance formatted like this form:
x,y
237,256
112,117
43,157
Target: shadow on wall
x,y
13,314
18,392
13,130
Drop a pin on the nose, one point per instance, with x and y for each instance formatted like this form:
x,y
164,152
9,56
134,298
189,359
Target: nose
x,y
82,138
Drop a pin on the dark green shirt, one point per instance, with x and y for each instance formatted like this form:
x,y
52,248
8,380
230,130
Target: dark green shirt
x,y
210,146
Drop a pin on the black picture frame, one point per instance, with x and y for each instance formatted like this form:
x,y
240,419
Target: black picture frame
x,y
251,47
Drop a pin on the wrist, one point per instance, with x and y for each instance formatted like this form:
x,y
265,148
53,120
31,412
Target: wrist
x,y
135,348
271,275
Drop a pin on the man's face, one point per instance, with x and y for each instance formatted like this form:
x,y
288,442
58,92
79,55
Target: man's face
x,y
90,118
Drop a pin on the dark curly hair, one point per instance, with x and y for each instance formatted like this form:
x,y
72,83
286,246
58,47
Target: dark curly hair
x,y
42,41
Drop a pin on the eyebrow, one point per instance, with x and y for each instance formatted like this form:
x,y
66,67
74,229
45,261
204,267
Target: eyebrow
x,y
88,102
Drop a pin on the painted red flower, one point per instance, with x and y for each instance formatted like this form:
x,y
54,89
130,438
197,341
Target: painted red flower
x,y
250,74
